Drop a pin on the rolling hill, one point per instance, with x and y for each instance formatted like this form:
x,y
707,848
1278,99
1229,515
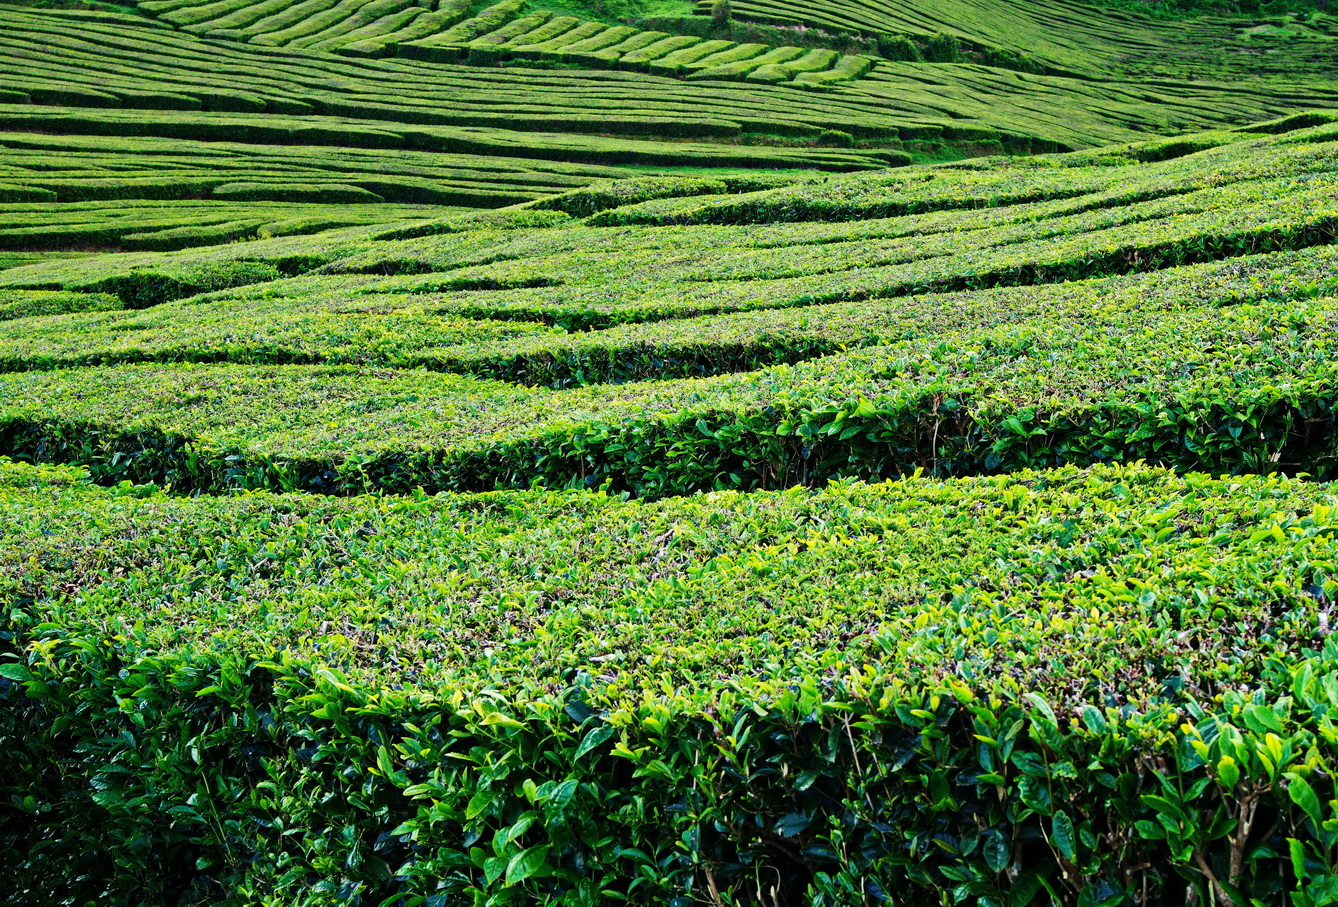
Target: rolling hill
x,y
753,453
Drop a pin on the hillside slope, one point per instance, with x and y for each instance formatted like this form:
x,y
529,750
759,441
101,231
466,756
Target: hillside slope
x,y
831,454
578,348
267,117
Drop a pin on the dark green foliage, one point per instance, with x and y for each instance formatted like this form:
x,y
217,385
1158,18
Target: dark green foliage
x,y
899,47
1025,673
1010,59
836,138
140,289
1032,389
943,49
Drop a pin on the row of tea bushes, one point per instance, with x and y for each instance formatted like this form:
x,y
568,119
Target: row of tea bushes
x,y
1220,202
15,304
958,745
173,225
505,32
1246,388
325,320
994,183
556,279
1055,35
52,57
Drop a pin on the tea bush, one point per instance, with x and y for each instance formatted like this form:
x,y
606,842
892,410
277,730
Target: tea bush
x,y
977,753
444,434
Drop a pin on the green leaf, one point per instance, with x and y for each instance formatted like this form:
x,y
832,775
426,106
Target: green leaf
x,y
1166,808
478,803
1025,889
1095,721
995,850
15,672
527,864
791,824
1237,896
562,794
1150,831
1298,858
522,825
594,738
1035,793
1043,707
1304,796
1262,718
493,868
1061,832
495,718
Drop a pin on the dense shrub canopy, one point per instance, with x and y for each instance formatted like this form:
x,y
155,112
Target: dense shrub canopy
x,y
657,453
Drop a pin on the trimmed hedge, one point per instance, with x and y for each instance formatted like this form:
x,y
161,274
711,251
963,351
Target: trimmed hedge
x,y
1193,389
957,761
141,288
38,303
330,193
336,320
603,196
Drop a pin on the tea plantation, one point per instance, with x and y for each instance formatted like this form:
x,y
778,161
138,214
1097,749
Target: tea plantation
x,y
743,453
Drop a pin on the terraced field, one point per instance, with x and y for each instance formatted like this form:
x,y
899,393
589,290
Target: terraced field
x,y
585,350
835,454
1078,37
504,31
244,120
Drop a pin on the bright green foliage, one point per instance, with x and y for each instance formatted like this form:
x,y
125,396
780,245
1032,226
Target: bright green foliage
x,y
143,225
1071,35
501,588
780,354
1247,388
507,32
314,130
37,303
498,381
964,746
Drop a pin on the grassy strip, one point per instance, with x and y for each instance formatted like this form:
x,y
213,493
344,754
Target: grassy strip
x,y
953,704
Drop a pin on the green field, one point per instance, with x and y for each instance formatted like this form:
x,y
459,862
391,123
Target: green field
x,y
739,453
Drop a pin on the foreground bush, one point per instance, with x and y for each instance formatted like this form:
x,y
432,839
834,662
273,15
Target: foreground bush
x,y
1116,689
192,780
